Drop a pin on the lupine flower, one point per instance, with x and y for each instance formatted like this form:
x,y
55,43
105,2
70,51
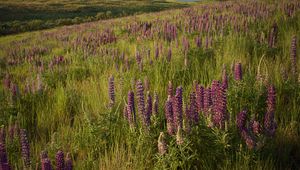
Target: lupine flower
x,y
44,155
125,112
155,104
60,162
224,79
238,71
214,92
193,108
207,100
138,57
131,108
200,97
141,102
3,155
249,140
148,107
162,146
69,163
178,110
255,126
46,164
179,136
5,166
221,108
170,89
25,147
198,42
241,120
269,122
294,56
169,116
111,90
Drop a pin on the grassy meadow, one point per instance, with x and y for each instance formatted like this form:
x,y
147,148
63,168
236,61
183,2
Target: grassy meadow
x,y
215,85
26,15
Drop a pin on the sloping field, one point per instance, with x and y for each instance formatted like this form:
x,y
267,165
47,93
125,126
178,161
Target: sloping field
x,y
213,86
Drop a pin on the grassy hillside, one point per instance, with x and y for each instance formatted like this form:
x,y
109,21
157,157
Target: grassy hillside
x,y
213,86
24,15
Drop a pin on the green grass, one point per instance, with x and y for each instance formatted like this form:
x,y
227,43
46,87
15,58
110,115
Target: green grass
x,y
72,113
21,16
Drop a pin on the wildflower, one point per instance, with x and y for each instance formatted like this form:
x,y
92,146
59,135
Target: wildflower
x,y
25,148
111,90
60,162
162,146
238,71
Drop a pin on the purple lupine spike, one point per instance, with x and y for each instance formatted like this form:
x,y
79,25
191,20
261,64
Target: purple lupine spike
x,y
169,55
214,92
294,56
224,78
269,121
178,110
25,148
238,71
44,154
138,57
170,89
125,112
220,114
148,108
249,140
155,104
46,164
111,90
69,163
241,120
207,101
3,154
198,42
60,162
169,116
200,97
131,108
5,166
141,102
193,108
